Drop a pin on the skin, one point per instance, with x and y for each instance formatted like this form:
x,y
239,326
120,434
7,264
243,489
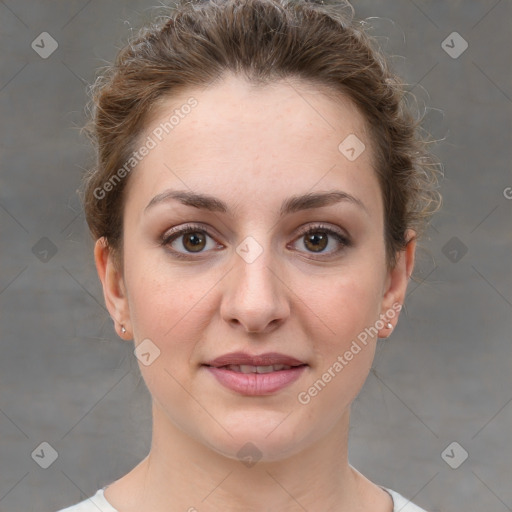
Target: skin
x,y
252,148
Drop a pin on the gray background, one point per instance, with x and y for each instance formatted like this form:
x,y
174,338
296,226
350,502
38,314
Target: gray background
x,y
445,374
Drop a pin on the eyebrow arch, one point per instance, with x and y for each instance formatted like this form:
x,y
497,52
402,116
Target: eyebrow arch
x,y
290,205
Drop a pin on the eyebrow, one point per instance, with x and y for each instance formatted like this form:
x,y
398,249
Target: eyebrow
x,y
290,205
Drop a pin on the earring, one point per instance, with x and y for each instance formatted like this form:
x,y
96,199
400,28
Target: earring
x,y
123,329
389,325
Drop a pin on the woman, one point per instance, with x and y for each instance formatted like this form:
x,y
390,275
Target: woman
x,y
259,190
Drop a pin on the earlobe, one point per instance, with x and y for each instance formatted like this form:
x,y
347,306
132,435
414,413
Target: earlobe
x,y
113,287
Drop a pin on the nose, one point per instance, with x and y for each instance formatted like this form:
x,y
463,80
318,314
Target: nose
x,y
255,295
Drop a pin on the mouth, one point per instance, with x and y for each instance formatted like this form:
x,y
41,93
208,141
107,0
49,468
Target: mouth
x,y
254,375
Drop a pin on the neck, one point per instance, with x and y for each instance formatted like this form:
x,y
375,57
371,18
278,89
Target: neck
x,y
182,474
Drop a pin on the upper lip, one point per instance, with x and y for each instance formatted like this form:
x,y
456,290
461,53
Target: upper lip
x,y
242,358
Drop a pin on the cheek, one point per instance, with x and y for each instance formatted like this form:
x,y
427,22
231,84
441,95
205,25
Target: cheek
x,y
346,304
169,307
169,311
345,353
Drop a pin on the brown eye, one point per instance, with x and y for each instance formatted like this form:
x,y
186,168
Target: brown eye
x,y
194,242
187,241
316,241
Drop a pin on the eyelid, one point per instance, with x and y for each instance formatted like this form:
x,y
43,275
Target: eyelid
x,y
175,233
324,227
182,230
342,238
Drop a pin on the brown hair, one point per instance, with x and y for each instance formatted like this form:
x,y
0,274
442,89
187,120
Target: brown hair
x,y
199,41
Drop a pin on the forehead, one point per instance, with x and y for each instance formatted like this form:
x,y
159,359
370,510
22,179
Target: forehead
x,y
248,111
253,142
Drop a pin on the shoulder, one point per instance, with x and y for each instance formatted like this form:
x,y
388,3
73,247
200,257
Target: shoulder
x,y
92,504
402,504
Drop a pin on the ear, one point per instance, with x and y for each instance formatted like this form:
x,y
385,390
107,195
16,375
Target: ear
x,y
114,290
396,285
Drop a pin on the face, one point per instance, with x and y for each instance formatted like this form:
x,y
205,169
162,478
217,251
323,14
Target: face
x,y
261,269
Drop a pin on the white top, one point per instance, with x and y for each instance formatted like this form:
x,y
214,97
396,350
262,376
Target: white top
x,y
98,503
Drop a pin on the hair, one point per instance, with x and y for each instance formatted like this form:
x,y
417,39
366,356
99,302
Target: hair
x,y
196,43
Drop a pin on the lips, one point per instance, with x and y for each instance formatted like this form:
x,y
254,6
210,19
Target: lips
x,y
253,375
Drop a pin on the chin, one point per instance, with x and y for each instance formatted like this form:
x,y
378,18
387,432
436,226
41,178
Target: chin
x,y
264,440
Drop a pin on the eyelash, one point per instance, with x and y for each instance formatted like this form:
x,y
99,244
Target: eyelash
x,y
172,235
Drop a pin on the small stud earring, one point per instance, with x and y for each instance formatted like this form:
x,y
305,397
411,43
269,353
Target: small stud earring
x,y
123,329
389,325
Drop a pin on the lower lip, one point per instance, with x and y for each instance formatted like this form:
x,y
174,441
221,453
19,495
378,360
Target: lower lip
x,y
254,384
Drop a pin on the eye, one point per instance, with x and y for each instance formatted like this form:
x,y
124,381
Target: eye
x,y
192,239
317,238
